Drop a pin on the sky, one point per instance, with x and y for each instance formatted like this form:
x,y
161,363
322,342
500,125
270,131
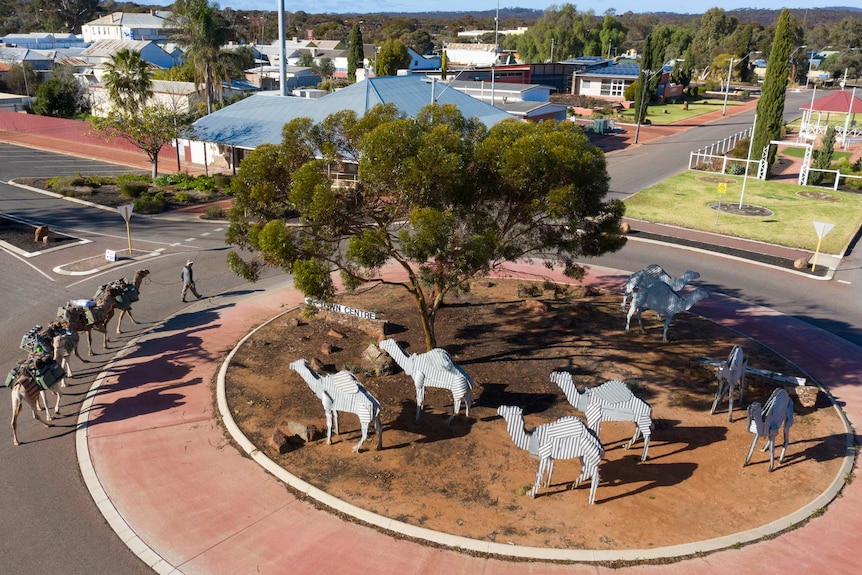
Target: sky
x,y
598,6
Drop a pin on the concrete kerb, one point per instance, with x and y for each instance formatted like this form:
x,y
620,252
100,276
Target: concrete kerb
x,y
457,543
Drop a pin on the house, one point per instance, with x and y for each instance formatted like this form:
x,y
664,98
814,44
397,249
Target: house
x,y
462,54
152,26
424,63
44,41
224,136
527,101
39,60
101,51
268,77
610,82
182,97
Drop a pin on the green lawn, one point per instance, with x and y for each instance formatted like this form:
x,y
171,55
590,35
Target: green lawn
x,y
683,200
800,152
674,112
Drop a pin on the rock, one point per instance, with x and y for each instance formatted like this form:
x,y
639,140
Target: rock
x,y
536,305
625,228
800,263
805,394
376,360
41,233
336,334
293,322
302,432
317,366
279,442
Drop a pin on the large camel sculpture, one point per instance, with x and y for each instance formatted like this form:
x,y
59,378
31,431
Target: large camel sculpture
x,y
87,315
434,368
25,390
731,376
661,298
611,401
342,392
653,273
565,438
765,421
131,293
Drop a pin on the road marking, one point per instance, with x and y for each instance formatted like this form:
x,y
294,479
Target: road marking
x,y
190,239
16,256
205,234
844,282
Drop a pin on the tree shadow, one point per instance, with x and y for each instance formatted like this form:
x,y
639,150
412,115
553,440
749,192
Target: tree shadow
x,y
494,395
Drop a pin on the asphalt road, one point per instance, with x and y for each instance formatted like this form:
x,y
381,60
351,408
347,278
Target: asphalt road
x,y
48,520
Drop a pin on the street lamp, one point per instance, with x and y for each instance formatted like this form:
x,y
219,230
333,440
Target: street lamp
x,y
647,75
729,76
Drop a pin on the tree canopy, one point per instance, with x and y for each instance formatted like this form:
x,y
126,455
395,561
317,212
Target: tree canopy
x,y
438,194
129,81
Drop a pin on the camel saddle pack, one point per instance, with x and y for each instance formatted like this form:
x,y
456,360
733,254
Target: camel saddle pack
x,y
81,311
128,296
37,341
42,368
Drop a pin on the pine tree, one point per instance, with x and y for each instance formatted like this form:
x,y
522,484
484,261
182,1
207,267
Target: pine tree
x,y
770,108
355,56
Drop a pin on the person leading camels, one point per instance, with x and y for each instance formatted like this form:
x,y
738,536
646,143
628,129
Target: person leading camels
x,y
188,276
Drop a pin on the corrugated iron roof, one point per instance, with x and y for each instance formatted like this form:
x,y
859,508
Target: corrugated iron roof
x,y
259,119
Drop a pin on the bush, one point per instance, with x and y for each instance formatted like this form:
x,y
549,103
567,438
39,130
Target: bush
x,y
213,213
221,181
98,181
133,178
183,197
61,182
693,91
150,204
133,189
736,169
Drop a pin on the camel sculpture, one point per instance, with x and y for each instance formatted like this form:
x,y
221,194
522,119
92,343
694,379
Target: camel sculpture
x,y
434,368
654,273
565,438
87,315
731,376
342,392
611,401
25,390
765,421
662,299
130,294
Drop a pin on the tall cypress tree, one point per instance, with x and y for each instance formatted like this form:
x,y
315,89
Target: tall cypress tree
x,y
824,155
646,84
355,56
770,108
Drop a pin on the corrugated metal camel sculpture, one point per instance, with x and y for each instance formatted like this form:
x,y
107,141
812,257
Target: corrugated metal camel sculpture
x,y
653,273
611,401
767,420
565,438
342,392
660,298
434,368
731,376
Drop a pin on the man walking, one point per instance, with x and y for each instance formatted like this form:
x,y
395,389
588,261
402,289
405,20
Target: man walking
x,y
189,280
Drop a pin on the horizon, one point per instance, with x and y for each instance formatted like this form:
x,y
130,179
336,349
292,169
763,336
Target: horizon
x,y
599,7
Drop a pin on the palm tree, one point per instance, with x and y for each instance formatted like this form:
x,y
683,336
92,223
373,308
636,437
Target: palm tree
x,y
201,31
129,81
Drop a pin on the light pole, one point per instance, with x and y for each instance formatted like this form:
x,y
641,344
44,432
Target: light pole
x,y
729,76
647,74
793,62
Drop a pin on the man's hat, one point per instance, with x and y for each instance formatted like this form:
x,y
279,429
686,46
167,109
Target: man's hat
x,y
190,262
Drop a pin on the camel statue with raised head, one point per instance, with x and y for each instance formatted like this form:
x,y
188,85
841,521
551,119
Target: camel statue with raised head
x,y
89,315
611,401
653,273
731,376
766,420
660,298
565,438
434,368
342,392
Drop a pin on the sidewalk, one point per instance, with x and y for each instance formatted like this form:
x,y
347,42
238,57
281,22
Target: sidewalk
x,y
153,453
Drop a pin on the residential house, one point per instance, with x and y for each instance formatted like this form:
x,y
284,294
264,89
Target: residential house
x,y
527,101
152,26
269,77
39,60
610,82
44,41
224,136
101,51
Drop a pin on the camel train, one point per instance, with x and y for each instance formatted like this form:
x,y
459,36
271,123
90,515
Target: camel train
x,y
46,366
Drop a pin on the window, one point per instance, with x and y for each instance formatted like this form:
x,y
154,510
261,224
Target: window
x,y
613,87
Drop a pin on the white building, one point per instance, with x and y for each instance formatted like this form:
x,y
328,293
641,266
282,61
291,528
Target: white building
x,y
129,26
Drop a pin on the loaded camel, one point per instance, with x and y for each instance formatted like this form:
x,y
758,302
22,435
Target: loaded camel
x,y
765,421
24,389
654,273
565,438
731,376
434,368
130,294
611,401
342,392
661,298
87,315
64,343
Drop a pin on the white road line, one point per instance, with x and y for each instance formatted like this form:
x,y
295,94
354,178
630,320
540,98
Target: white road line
x,y
16,256
845,282
205,234
189,239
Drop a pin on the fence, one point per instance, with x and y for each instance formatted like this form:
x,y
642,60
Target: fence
x,y
838,176
717,152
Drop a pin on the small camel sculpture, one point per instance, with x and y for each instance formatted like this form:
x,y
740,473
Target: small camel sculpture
x,y
731,376
342,392
662,299
87,315
653,273
25,390
130,294
565,438
767,420
433,368
611,401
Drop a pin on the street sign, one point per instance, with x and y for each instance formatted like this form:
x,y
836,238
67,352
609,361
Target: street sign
x,y
822,229
722,188
126,212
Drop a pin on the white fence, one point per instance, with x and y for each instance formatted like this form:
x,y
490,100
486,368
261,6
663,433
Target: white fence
x,y
715,153
838,176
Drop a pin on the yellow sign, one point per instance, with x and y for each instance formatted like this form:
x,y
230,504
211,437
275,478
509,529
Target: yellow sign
x,y
722,188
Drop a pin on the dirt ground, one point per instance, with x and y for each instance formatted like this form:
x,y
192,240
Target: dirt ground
x,y
469,479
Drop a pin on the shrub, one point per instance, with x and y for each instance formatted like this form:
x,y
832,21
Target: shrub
x,y
693,91
98,181
221,181
61,182
214,213
736,169
150,204
133,178
133,189
183,197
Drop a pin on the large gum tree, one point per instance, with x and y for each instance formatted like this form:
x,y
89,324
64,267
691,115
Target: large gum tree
x,y
440,195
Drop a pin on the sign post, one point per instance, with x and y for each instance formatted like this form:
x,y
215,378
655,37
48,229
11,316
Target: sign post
x,y
821,229
126,212
722,189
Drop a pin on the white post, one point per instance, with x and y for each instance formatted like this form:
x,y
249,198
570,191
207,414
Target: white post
x,y
727,91
847,119
747,160
282,49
